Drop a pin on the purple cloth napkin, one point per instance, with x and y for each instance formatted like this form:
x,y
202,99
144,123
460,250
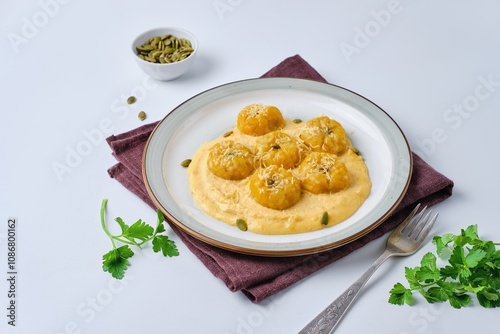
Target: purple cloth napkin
x,y
260,277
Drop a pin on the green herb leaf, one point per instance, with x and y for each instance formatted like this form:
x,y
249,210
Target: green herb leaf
x,y
473,269
438,293
160,228
139,230
458,300
471,232
167,246
442,242
449,271
159,222
489,298
400,295
116,261
475,255
410,274
428,271
122,224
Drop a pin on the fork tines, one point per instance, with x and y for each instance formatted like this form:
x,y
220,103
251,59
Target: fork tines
x,y
418,224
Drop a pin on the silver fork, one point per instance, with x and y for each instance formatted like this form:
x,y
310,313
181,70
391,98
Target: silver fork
x,y
405,240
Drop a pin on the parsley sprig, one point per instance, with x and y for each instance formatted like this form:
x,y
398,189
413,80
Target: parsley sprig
x,y
116,260
473,269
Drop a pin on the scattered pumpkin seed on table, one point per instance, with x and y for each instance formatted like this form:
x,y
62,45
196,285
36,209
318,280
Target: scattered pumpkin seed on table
x,y
142,115
131,100
165,49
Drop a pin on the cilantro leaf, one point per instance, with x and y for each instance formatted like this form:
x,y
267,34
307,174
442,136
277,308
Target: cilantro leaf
x,y
489,298
139,230
428,271
159,222
160,228
400,295
116,261
442,242
167,246
410,274
475,255
459,300
159,217
457,257
471,232
473,268
122,224
449,271
438,293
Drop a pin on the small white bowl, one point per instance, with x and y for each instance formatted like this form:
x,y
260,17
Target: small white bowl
x,y
169,71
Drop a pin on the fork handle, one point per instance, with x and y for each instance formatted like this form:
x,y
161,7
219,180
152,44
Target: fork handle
x,y
326,321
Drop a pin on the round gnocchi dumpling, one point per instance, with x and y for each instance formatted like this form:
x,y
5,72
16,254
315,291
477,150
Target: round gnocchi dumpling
x,y
259,119
230,160
323,134
323,173
278,148
275,187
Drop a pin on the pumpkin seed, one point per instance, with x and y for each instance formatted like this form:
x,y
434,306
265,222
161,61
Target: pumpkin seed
x,y
165,49
185,163
155,54
324,218
131,100
142,115
227,134
241,224
297,120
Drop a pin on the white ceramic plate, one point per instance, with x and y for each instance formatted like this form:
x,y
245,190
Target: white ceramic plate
x,y
206,116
